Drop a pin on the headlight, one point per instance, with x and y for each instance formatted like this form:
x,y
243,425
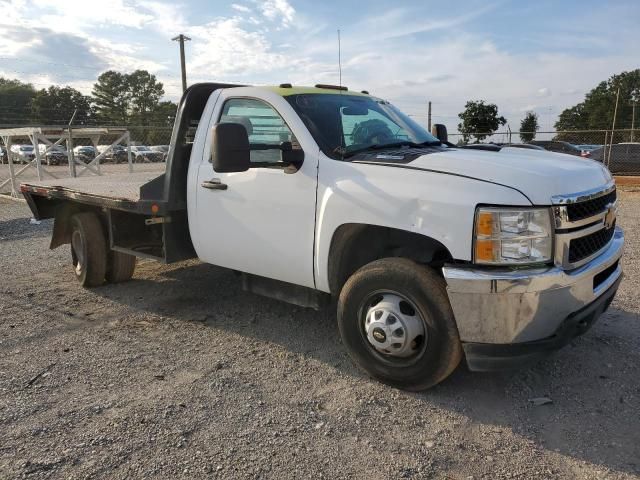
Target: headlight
x,y
508,236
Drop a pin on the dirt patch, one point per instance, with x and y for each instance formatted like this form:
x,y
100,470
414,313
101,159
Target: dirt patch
x,y
181,374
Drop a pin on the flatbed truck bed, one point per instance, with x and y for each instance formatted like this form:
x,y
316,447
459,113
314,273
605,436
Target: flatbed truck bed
x,y
142,213
116,191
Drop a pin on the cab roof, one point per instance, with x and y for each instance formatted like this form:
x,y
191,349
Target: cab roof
x,y
297,90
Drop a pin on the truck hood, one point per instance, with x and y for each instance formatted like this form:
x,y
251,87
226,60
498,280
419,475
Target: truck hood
x,y
538,175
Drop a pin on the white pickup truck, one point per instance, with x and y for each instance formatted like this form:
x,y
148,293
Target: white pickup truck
x,y
433,253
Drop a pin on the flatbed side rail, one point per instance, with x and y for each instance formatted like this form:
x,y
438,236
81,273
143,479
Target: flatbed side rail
x,y
147,207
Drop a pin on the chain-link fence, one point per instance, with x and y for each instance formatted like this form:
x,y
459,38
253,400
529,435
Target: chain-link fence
x,y
148,147
619,150
40,152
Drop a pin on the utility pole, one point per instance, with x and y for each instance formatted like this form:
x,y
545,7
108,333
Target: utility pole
x,y
613,127
635,95
429,118
182,38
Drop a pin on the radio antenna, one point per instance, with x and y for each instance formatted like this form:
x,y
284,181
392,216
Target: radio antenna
x,y
339,60
342,140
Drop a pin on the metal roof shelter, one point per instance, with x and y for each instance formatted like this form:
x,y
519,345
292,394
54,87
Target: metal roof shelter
x,y
55,136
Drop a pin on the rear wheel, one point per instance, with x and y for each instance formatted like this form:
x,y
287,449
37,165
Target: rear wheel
x,y
120,267
395,319
88,249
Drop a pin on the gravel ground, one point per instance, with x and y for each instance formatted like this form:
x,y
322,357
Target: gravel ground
x,y
181,374
62,171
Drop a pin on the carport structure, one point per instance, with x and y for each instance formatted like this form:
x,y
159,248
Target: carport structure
x,y
56,136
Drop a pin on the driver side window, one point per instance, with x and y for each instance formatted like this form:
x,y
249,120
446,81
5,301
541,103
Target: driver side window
x,y
372,128
265,127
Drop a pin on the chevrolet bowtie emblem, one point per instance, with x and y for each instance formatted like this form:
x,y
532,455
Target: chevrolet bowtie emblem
x,y
610,216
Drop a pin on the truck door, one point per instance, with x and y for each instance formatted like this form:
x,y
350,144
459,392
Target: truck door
x,y
263,221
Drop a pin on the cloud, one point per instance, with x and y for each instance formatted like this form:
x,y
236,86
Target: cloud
x,y
405,55
240,8
224,47
165,17
43,46
401,22
278,10
102,13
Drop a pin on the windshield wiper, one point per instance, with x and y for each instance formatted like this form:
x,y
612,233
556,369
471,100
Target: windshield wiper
x,y
384,146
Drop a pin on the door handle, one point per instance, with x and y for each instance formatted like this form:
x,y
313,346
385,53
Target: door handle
x,y
214,184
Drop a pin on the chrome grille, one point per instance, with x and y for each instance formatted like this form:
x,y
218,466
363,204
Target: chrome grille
x,y
585,225
582,210
583,247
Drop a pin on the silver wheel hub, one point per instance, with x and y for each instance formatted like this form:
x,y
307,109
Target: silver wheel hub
x,y
394,326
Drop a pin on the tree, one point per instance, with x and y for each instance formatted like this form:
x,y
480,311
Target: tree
x,y
123,99
55,106
595,112
111,97
528,127
479,120
15,102
164,114
145,94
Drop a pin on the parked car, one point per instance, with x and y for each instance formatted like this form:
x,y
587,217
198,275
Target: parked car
x,y
85,153
588,147
526,146
432,254
22,153
164,149
3,155
558,147
624,159
55,155
117,154
142,153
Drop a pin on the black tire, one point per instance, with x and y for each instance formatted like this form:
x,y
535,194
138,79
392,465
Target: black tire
x,y
88,249
120,267
439,355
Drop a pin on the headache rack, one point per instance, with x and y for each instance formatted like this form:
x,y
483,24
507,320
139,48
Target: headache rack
x,y
585,225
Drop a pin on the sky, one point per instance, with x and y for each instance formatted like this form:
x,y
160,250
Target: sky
x,y
540,56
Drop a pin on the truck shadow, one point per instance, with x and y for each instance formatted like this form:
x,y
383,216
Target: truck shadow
x,y
592,383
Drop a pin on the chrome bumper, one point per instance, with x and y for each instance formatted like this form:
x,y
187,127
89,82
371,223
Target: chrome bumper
x,y
515,306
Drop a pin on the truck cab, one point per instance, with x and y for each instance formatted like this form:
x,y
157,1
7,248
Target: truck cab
x,y
432,253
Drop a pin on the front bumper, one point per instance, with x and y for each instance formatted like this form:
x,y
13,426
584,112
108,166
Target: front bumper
x,y
509,317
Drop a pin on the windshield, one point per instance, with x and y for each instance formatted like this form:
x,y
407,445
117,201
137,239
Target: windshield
x,y
343,124
26,148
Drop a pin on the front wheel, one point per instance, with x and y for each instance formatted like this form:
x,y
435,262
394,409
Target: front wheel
x,y
395,319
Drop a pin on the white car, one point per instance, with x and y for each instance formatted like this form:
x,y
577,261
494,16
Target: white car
x,y
433,254
22,153
142,153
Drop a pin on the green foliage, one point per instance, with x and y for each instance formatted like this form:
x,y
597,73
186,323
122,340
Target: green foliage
x,y
55,106
111,98
479,120
529,126
15,102
131,100
596,111
145,93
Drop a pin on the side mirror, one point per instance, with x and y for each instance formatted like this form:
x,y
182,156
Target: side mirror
x,y
294,158
439,131
230,150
